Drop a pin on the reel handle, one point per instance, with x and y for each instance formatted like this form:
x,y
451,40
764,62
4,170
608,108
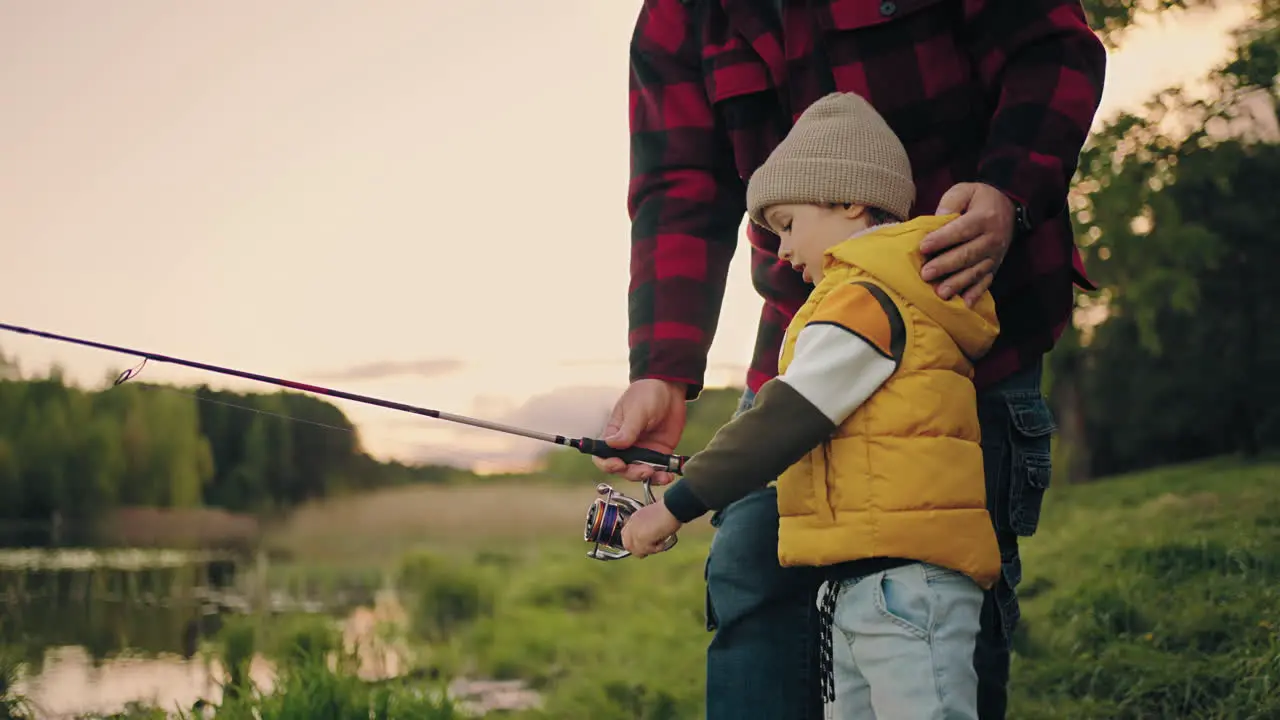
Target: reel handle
x,y
601,449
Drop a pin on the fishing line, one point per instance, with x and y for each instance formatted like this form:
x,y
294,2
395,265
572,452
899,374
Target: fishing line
x,y
588,446
246,408
137,369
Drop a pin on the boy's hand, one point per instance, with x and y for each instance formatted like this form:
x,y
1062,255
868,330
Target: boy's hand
x,y
648,528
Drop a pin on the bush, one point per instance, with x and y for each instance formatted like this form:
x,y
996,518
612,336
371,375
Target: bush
x,y
237,644
447,595
12,705
307,688
304,637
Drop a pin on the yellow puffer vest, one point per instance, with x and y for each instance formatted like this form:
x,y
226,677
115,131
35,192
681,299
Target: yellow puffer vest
x,y
902,476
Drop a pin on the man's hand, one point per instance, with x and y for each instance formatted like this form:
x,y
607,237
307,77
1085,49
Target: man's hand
x,y
649,414
648,528
978,239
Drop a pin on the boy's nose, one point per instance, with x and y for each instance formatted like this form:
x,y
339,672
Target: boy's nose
x,y
784,253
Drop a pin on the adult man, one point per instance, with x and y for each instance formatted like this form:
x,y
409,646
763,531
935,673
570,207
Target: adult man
x,y
993,100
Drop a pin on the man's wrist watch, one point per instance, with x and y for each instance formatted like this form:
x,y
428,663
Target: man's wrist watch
x,y
1021,221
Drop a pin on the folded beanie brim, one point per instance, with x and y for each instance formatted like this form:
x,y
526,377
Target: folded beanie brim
x,y
815,180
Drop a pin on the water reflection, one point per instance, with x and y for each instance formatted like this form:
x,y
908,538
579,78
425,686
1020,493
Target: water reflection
x,y
109,603
99,628
72,682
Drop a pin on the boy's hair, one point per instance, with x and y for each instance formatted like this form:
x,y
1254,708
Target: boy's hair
x,y
877,215
880,216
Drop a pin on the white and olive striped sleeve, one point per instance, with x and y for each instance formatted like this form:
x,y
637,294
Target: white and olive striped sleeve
x,y
849,347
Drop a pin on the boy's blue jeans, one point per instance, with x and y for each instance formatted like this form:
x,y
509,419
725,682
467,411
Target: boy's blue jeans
x,y
762,659
902,643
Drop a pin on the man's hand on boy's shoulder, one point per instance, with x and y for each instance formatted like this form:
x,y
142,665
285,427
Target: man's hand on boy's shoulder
x,y
648,528
978,241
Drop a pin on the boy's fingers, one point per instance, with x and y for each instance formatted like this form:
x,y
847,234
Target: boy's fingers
x,y
631,544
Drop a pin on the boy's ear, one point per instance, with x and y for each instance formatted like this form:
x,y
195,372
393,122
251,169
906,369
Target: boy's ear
x,y
853,211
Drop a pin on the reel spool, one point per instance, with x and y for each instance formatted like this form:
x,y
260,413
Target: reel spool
x,y
606,517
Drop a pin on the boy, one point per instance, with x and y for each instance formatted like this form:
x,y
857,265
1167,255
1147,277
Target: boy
x,y
871,427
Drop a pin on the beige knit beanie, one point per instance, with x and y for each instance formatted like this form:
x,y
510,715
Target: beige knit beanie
x,y
840,151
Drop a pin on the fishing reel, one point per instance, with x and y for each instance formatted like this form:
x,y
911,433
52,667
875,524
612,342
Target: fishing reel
x,y
606,517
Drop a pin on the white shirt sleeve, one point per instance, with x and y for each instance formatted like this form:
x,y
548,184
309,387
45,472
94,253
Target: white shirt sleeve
x,y
836,370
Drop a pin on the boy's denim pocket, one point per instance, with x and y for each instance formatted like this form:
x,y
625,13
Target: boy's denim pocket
x,y
1031,428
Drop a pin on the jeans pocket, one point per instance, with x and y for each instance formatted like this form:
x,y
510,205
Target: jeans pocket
x,y
905,604
1031,428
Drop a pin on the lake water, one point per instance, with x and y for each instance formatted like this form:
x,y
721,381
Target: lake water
x,y
99,628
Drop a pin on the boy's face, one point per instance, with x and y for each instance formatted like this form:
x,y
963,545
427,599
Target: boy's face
x,y
807,231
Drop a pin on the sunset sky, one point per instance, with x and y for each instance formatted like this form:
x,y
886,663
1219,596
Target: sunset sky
x,y
414,199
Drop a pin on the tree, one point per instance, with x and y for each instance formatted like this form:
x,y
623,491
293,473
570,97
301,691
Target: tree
x,y
1110,18
1173,207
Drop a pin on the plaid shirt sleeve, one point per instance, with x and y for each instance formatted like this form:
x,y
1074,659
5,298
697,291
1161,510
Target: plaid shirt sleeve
x,y
1044,70
685,199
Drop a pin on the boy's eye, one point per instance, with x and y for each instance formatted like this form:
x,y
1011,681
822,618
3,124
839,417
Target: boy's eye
x,y
786,228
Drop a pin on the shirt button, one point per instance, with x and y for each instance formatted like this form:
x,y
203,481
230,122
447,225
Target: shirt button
x,y
888,8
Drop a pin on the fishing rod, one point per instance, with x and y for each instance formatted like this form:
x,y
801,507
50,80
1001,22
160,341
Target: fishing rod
x,y
588,446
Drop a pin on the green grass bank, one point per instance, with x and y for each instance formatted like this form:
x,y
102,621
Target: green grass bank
x,y
1155,595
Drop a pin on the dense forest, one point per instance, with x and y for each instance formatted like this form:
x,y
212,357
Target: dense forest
x,y
79,452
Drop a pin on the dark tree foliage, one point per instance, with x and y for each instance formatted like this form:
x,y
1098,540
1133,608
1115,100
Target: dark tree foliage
x,y
1176,211
76,453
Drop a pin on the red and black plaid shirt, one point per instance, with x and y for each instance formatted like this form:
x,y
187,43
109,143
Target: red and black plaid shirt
x,y
995,91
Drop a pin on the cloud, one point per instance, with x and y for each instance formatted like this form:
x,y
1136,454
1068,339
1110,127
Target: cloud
x,y
713,366
569,411
432,367
476,459
580,410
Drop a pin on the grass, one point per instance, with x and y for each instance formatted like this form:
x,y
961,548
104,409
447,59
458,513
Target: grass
x,y
1155,595
13,706
378,527
177,528
315,678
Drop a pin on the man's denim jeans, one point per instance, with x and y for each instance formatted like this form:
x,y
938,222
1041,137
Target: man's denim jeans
x,y
762,659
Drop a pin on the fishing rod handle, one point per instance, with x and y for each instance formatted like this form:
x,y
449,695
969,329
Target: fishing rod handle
x,y
601,449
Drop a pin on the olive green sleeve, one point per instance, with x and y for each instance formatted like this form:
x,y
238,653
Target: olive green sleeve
x,y
749,452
